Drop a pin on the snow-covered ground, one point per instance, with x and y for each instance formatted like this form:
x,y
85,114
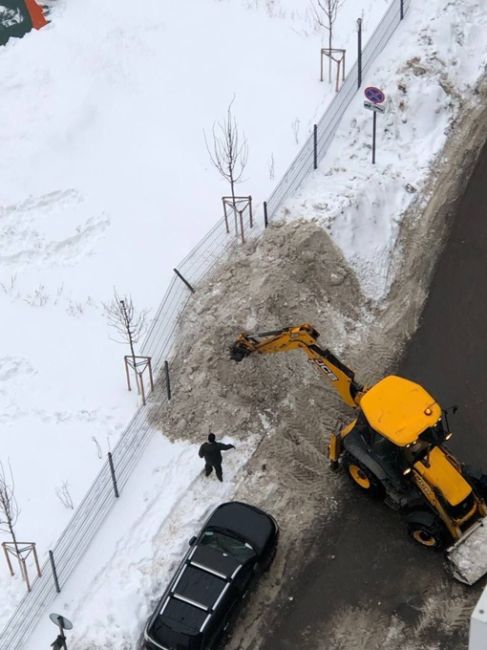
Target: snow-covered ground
x,y
106,182
160,512
429,71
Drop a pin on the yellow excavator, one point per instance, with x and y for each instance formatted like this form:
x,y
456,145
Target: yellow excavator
x,y
394,449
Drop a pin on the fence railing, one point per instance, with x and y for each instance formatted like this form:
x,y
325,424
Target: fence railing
x,y
303,164
159,344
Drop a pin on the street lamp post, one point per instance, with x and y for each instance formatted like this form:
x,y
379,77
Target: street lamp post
x,y
62,623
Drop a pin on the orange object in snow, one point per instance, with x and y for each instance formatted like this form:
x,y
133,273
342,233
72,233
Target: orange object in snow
x,y
36,14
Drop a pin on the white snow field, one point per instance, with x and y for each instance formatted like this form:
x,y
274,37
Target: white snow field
x,y
107,182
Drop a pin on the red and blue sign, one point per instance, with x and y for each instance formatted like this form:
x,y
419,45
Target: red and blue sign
x,y
374,95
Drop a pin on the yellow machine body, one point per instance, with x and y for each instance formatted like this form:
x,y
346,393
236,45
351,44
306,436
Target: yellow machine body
x,y
443,476
399,409
405,415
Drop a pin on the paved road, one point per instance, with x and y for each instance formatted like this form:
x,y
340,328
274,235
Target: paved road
x,y
365,564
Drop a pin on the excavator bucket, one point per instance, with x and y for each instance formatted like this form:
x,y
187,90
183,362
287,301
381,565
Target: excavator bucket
x,y
238,352
468,556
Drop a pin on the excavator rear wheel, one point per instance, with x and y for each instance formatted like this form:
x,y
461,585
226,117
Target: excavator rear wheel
x,y
362,476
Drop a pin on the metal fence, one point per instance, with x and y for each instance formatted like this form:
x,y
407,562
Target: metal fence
x,y
159,344
303,164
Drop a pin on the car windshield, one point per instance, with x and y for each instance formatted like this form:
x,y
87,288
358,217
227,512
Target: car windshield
x,y
228,545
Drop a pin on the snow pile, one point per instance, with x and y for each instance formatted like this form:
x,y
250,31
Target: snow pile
x,y
293,270
468,559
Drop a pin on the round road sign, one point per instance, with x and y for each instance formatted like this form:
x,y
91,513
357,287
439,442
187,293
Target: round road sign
x,y
61,621
374,95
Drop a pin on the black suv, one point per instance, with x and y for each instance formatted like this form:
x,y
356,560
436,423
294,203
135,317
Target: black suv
x,y
237,543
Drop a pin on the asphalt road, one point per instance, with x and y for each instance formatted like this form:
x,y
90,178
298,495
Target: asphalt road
x,y
366,563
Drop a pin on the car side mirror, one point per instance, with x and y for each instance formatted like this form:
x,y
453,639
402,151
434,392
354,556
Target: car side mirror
x,y
192,540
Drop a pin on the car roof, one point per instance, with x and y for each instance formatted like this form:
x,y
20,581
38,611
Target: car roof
x,y
221,565
246,522
195,592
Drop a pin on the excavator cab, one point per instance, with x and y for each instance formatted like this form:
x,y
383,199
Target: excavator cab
x,y
395,450
398,423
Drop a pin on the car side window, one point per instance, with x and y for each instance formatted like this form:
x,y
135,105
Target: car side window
x,y
222,617
244,576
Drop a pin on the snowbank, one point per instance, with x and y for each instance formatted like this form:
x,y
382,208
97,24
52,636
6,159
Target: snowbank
x,y
429,72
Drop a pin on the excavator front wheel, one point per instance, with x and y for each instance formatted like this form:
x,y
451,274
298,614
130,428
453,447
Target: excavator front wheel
x,y
425,529
362,476
424,537
358,475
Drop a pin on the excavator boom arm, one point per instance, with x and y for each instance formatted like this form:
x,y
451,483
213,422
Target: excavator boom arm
x,y
302,337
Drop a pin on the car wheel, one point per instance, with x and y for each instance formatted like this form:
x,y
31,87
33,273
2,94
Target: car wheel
x,y
426,529
362,477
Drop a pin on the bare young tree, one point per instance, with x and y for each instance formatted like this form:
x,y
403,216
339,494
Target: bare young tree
x,y
325,13
64,495
9,510
229,152
272,170
129,325
98,447
295,124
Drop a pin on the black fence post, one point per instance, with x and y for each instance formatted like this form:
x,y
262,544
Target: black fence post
x,y
315,146
359,52
184,280
251,216
54,572
168,380
402,8
112,472
266,220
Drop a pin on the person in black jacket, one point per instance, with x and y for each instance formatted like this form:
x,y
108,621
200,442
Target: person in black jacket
x,y
211,451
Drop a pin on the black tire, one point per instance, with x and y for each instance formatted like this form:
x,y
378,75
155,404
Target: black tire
x,y
362,477
426,529
477,479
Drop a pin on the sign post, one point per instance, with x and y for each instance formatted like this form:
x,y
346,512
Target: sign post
x,y
375,99
63,624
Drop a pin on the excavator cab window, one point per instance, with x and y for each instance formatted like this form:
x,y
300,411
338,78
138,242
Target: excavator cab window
x,y
365,431
420,448
373,440
435,434
387,453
